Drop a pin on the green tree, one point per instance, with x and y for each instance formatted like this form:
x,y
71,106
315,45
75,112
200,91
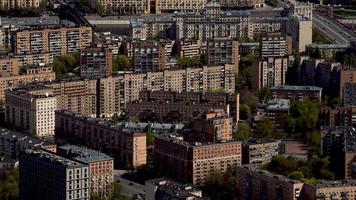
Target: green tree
x,y
115,118
9,185
265,129
150,138
264,94
298,175
121,63
245,112
64,64
185,62
243,131
316,54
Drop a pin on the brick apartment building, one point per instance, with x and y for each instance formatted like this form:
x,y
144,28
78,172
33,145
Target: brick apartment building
x,y
259,152
95,62
128,148
194,162
297,92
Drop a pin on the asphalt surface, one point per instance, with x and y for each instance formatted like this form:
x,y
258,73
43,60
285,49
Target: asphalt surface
x,y
332,29
129,188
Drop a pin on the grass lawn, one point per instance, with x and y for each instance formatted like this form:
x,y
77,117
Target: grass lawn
x,y
345,12
319,39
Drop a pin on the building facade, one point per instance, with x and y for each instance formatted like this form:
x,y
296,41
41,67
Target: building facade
x,y
300,28
95,62
121,7
148,56
169,6
44,175
128,148
31,109
275,45
259,152
19,4
58,41
298,92
101,167
222,51
194,163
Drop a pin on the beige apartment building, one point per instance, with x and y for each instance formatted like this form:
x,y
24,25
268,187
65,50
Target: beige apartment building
x,y
300,28
121,7
9,66
193,163
269,72
128,148
259,152
58,41
164,6
31,75
35,59
31,109
242,3
19,4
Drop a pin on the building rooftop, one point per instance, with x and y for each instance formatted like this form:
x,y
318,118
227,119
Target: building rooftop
x,y
51,157
278,105
328,46
24,139
337,183
32,91
175,189
84,154
296,87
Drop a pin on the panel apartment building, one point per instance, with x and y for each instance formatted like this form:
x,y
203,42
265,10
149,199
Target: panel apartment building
x,y
58,40
127,147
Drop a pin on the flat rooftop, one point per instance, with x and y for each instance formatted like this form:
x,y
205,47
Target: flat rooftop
x,y
296,88
51,157
84,154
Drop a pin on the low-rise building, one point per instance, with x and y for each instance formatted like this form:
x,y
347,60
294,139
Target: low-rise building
x,y
101,167
297,92
127,147
31,109
277,110
259,152
163,188
295,148
194,162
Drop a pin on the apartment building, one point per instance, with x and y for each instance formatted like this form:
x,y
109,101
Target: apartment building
x,y
189,48
338,116
275,45
78,96
31,75
169,6
95,62
277,111
148,56
296,92
193,163
222,51
232,99
163,188
242,3
256,184
300,28
35,59
269,72
349,94
19,4
213,22
101,167
259,152
338,144
31,109
304,9
121,7
13,143
55,40
347,75
212,127
45,175
163,27
128,148
9,66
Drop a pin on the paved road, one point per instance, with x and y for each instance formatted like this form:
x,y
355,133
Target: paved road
x,y
129,188
332,29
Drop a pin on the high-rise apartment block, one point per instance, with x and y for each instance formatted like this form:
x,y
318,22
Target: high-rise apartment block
x,y
304,9
222,51
19,4
275,45
300,28
60,40
44,175
269,73
189,48
31,75
194,163
101,167
128,148
347,75
31,109
259,152
148,56
212,127
95,62
296,92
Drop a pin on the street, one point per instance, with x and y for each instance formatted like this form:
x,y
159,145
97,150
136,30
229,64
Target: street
x,y
129,188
